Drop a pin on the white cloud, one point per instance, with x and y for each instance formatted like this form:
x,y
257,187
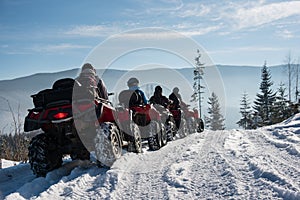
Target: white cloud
x,y
237,50
200,31
165,6
193,19
259,48
91,30
193,10
59,48
262,14
156,35
286,34
159,34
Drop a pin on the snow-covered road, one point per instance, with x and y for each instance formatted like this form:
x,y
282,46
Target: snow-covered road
x,y
231,164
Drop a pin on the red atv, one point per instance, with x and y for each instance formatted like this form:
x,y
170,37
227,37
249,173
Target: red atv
x,y
146,117
194,123
187,120
180,121
74,128
168,119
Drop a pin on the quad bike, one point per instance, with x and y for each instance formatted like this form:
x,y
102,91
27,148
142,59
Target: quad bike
x,y
180,121
146,117
194,123
68,129
168,119
199,121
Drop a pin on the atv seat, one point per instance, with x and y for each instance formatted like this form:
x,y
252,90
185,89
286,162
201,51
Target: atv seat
x,y
130,98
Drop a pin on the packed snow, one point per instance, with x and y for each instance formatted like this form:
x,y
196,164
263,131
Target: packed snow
x,y
228,164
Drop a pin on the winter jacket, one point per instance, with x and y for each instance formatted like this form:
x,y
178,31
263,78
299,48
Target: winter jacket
x,y
159,99
90,78
176,98
137,89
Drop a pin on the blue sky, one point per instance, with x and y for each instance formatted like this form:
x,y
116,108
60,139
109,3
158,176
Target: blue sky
x,y
48,36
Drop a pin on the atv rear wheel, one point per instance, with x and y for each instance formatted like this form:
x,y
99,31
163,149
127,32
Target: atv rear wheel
x,y
108,144
191,125
154,140
135,145
170,130
183,131
44,155
200,125
164,138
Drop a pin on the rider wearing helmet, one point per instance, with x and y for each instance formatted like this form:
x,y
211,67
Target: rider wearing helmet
x,y
175,97
88,76
133,84
158,98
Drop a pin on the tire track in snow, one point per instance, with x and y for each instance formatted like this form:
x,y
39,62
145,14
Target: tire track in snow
x,y
146,175
236,168
269,165
217,180
275,166
142,176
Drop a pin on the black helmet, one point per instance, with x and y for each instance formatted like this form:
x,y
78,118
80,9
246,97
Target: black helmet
x,y
176,90
158,89
133,82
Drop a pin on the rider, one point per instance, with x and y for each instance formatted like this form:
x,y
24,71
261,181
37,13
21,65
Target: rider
x,y
88,73
176,98
133,84
158,98
177,104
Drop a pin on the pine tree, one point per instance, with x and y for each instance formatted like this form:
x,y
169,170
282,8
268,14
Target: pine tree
x,y
289,66
265,100
246,121
297,82
215,121
281,109
198,76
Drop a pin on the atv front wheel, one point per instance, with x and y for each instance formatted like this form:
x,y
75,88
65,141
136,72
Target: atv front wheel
x,y
108,144
43,154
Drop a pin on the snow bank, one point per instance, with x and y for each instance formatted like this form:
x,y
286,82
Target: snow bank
x,y
7,163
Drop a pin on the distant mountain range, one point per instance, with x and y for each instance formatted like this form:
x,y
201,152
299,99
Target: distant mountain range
x,y
236,81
